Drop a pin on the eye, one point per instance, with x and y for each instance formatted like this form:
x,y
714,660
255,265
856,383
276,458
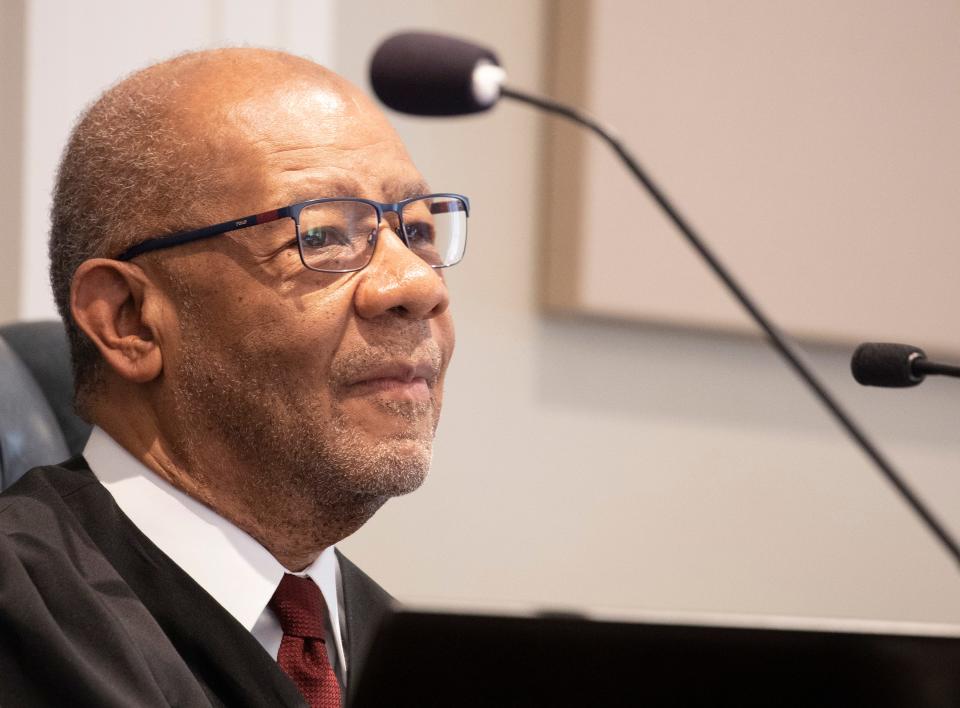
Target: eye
x,y
418,233
322,236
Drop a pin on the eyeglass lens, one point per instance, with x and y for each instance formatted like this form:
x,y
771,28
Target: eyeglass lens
x,y
341,235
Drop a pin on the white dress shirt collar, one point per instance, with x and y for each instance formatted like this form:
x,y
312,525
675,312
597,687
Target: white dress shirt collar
x,y
230,565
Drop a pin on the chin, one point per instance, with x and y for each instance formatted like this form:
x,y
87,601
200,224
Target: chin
x,y
390,469
384,419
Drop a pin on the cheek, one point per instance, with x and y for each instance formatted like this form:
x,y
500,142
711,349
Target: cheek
x,y
268,338
303,343
297,318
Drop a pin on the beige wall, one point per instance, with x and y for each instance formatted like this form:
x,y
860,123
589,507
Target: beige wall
x,y
11,131
814,144
588,463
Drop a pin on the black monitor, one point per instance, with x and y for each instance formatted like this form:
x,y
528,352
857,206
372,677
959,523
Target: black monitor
x,y
425,659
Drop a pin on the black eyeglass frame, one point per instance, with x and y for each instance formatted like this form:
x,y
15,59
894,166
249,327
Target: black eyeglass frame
x,y
293,212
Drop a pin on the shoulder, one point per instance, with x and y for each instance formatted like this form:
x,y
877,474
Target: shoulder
x,y
47,484
60,599
37,502
37,522
44,547
48,560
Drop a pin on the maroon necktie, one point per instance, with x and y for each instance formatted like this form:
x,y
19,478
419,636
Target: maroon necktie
x,y
299,606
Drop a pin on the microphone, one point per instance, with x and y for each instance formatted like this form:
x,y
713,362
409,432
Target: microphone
x,y
433,75
895,365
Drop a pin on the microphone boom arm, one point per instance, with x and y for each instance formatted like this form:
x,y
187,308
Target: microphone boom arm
x,y
928,368
778,340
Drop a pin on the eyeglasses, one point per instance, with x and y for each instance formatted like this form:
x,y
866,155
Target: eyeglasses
x,y
339,235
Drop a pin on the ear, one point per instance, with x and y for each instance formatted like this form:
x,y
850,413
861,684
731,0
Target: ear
x,y
111,301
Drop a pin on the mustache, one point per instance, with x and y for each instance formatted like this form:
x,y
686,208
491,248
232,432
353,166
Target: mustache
x,y
357,364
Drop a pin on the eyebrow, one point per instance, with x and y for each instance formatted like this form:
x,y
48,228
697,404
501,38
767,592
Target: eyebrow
x,y
398,192
392,191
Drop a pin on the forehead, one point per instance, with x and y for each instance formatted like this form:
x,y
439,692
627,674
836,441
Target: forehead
x,y
307,140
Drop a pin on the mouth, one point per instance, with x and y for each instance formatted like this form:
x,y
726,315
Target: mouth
x,y
398,380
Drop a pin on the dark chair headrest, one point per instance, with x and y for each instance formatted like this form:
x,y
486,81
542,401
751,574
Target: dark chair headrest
x,y
29,432
43,348
37,422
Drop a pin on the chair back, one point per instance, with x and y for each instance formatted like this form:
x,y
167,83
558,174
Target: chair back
x,y
37,422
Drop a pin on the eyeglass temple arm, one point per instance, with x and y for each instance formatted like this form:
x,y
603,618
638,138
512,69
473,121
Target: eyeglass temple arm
x,y
159,242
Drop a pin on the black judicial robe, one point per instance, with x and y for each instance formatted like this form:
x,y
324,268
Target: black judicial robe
x,y
92,613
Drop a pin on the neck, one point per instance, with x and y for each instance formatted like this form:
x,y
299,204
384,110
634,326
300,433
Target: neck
x,y
264,500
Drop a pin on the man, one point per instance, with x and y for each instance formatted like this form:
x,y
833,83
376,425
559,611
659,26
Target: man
x,y
259,389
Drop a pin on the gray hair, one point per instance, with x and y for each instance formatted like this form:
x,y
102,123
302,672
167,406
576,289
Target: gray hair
x,y
129,172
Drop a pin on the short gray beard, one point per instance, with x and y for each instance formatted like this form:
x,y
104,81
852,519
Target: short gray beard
x,y
313,474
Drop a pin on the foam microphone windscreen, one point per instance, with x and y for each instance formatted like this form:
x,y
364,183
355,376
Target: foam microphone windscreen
x,y
886,364
429,74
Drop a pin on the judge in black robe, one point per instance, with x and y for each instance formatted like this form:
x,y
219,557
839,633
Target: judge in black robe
x,y
94,614
283,368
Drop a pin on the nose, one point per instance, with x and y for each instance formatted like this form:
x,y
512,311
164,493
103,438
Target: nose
x,y
398,281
